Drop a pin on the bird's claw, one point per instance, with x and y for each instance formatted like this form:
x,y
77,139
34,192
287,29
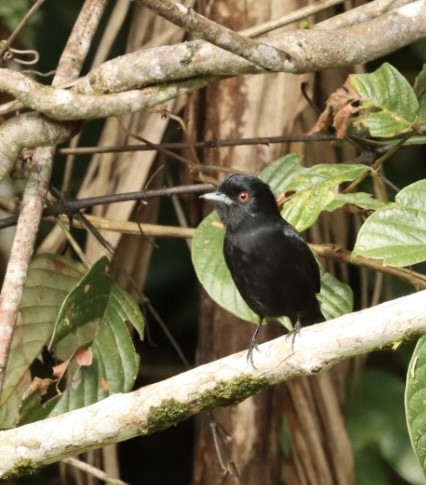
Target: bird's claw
x,y
293,334
252,346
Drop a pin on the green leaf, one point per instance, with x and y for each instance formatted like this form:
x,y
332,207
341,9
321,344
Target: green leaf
x,y
49,280
280,173
327,173
420,90
388,103
57,285
316,188
335,298
115,362
397,233
77,321
360,199
304,208
415,401
375,416
211,270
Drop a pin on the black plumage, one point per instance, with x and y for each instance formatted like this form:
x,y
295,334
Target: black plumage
x,y
269,261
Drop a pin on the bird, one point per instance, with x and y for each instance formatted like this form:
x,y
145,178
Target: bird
x,y
269,261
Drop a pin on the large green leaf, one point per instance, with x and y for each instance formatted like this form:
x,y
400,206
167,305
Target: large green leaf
x,y
415,401
78,319
115,363
397,233
336,298
316,190
317,187
100,361
49,281
211,269
281,172
388,103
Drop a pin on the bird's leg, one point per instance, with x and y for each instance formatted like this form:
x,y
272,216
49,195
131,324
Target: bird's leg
x,y
296,330
253,343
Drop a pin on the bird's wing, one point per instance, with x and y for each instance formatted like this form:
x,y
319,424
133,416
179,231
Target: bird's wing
x,y
311,266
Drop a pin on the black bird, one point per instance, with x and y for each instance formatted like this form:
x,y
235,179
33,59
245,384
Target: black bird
x,y
269,261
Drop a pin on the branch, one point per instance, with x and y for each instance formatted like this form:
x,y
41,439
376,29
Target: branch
x,y
72,206
336,253
206,144
261,54
227,381
311,50
191,65
29,130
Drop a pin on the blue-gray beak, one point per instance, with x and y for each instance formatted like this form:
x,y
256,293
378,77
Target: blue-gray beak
x,y
216,197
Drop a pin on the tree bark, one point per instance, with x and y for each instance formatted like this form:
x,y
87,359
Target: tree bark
x,y
245,442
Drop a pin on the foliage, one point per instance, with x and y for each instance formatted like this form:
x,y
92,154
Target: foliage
x,y
415,399
84,316
379,107
396,233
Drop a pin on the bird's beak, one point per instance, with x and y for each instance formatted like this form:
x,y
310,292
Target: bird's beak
x,y
216,197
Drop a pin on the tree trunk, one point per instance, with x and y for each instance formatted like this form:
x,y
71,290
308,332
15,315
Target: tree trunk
x,y
248,443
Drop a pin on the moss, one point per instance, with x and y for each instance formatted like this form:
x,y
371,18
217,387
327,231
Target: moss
x,y
171,411
21,468
168,413
233,392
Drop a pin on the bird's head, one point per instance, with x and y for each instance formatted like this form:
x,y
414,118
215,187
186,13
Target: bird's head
x,y
240,196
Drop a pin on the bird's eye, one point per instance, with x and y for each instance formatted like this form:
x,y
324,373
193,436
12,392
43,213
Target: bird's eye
x,y
243,197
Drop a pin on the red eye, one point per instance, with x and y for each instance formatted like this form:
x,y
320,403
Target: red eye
x,y
243,197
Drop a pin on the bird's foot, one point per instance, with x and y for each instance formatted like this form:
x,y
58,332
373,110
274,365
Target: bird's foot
x,y
252,346
292,335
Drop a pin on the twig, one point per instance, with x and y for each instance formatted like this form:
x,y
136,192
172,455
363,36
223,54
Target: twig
x,y
5,44
91,470
289,18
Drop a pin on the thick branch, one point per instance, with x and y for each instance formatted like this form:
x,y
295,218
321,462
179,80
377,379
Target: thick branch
x,y
198,63
261,54
220,383
310,50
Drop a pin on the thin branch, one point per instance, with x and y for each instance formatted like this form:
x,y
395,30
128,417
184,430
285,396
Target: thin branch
x,y
206,144
5,44
134,228
72,206
289,18
226,381
91,470
336,253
